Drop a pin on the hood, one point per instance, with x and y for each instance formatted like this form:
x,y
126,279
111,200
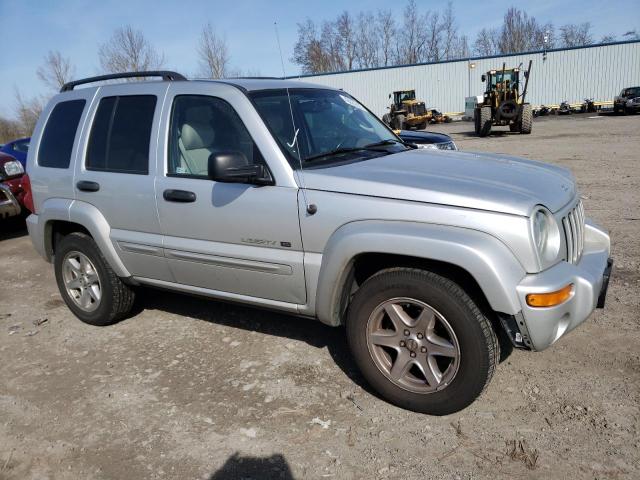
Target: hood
x,y
473,180
424,137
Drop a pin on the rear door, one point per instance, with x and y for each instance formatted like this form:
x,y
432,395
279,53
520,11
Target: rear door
x,y
236,238
116,170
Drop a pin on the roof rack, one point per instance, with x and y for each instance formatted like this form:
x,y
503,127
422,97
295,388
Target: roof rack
x,y
167,76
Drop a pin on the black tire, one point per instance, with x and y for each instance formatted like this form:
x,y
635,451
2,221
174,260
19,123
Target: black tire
x,y
478,344
526,121
116,299
485,121
399,122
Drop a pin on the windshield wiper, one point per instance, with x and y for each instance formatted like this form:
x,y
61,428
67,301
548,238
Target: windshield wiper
x,y
341,150
371,147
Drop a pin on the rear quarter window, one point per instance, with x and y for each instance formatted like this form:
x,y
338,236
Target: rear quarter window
x,y
121,134
59,133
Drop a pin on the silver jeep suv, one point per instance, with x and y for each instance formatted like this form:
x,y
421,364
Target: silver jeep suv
x,y
295,197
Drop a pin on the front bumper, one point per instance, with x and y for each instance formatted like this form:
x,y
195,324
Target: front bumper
x,y
9,206
590,278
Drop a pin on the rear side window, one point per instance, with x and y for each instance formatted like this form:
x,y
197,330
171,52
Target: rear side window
x,y
121,134
59,133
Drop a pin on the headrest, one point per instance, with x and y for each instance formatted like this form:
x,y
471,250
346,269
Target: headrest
x,y
197,136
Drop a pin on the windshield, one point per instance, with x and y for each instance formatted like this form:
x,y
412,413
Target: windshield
x,y
332,126
509,77
631,92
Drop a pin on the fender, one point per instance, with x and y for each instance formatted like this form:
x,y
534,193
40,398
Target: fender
x,y
90,218
78,212
487,259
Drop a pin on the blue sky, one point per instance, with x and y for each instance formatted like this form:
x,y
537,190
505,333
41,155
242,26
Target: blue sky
x,y
30,28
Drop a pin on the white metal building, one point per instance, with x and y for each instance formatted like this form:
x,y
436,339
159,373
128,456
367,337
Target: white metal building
x,y
571,74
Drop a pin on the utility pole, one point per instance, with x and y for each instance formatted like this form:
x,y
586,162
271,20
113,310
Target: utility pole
x,y
471,66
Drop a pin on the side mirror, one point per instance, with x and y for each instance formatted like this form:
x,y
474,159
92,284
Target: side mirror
x,y
233,167
389,95
484,78
526,74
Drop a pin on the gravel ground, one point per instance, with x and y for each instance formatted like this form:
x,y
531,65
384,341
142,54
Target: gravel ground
x,y
190,388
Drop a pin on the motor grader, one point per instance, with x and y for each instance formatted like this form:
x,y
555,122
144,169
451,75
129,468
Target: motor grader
x,y
406,112
503,104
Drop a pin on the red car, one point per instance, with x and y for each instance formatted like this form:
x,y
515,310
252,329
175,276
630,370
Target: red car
x,y
12,186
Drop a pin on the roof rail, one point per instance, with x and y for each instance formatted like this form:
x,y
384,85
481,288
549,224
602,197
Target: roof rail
x,y
167,76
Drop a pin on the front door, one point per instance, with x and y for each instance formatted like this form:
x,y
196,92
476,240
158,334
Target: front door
x,y
236,238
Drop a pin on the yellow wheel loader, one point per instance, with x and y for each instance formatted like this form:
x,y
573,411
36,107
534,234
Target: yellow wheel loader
x,y
406,112
503,104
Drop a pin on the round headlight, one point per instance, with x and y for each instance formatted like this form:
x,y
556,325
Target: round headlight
x,y
540,229
13,168
546,235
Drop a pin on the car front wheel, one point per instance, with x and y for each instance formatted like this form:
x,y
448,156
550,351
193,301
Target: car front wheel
x,y
421,341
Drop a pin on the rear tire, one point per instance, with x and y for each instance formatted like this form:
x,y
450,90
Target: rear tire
x,y
526,121
88,285
449,338
485,121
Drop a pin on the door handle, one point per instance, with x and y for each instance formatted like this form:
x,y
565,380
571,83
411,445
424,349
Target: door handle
x,y
180,196
87,186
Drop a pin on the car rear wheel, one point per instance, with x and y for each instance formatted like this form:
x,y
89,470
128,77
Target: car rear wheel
x,y
420,341
88,285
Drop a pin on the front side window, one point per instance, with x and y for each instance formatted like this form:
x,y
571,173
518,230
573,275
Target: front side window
x,y
59,133
320,127
201,126
121,134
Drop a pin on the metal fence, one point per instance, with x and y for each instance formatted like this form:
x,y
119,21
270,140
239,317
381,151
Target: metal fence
x,y
571,74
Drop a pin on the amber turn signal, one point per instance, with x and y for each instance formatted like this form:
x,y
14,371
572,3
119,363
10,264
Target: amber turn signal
x,y
550,299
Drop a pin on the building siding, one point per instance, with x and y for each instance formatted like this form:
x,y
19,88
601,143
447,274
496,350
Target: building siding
x,y
598,72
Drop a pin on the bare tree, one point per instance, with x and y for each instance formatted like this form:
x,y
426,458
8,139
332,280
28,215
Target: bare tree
x,y
449,33
610,37
631,35
412,37
56,70
462,49
213,53
368,41
520,32
27,112
345,30
573,35
387,29
432,37
9,130
486,42
129,51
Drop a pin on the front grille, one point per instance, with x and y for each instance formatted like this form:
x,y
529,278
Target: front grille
x,y
573,224
419,109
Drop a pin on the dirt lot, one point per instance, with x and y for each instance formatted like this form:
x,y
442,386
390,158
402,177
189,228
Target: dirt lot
x,y
190,388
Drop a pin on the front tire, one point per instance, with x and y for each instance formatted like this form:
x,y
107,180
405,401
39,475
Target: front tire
x,y
88,285
526,119
399,122
485,121
420,341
